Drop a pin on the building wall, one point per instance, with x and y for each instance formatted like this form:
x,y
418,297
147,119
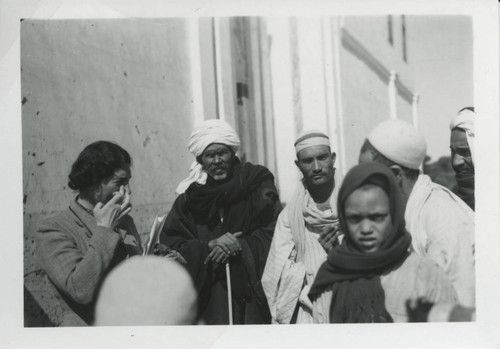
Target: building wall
x,y
333,74
404,109
284,80
127,81
365,104
373,33
304,93
367,60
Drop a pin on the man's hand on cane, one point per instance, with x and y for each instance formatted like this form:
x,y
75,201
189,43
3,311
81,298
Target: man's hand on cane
x,y
223,247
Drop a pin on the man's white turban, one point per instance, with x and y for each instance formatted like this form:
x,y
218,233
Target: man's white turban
x,y
208,132
146,291
464,120
400,142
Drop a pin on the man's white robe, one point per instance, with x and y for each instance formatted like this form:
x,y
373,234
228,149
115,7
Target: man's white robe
x,y
294,259
442,229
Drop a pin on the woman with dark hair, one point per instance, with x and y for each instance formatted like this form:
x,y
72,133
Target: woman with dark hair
x,y
372,275
80,245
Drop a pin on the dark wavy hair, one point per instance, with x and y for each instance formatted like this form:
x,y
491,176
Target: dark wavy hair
x,y
96,162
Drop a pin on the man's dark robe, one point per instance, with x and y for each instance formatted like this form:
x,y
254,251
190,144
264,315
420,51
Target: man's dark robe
x,y
250,204
465,188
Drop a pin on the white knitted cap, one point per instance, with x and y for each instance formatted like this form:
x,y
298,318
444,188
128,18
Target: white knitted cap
x,y
400,142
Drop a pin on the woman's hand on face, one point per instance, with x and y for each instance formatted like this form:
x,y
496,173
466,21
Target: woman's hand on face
x,y
126,206
109,215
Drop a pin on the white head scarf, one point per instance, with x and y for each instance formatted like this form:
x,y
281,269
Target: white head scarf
x,y
464,120
208,132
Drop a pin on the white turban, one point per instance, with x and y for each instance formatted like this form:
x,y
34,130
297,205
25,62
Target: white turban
x,y
311,138
400,142
209,132
464,120
146,291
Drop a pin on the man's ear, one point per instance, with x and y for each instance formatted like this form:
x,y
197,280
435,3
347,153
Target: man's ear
x,y
334,157
398,172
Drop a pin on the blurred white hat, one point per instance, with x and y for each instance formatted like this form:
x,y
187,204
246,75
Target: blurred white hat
x,y
400,142
147,291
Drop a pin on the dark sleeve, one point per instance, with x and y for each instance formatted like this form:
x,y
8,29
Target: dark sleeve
x,y
179,226
267,209
132,239
180,234
74,273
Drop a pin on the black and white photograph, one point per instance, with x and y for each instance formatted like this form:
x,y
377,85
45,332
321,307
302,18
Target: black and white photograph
x,y
200,177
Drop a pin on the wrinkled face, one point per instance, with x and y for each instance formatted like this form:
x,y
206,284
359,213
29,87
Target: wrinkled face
x,y
368,217
316,164
217,160
461,159
113,183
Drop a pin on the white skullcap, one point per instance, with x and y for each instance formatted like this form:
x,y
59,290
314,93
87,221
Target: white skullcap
x,y
464,120
400,142
309,139
147,291
208,132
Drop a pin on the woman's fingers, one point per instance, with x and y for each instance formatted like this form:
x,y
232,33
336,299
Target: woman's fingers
x,y
126,201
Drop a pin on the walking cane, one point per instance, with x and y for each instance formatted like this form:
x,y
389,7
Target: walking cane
x,y
229,296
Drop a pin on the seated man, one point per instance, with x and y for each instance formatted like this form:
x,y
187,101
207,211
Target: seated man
x,y
225,213
462,153
305,232
146,291
372,276
79,246
440,223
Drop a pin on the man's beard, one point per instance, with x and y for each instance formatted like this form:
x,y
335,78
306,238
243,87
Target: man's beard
x,y
465,183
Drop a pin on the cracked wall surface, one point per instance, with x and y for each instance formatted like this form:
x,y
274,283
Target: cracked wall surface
x,y
127,81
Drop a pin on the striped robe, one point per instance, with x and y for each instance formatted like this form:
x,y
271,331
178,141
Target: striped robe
x,y
294,259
